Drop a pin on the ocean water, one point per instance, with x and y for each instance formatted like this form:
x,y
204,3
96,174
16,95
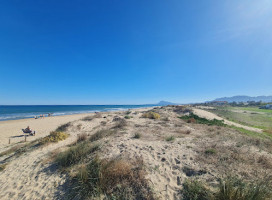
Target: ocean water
x,y
22,112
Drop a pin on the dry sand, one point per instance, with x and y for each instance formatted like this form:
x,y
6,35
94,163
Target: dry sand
x,y
168,163
13,129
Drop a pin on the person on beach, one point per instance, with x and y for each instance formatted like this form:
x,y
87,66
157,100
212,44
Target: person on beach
x,y
27,129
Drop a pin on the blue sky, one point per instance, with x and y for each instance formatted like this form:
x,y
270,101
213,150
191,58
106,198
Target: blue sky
x,y
133,52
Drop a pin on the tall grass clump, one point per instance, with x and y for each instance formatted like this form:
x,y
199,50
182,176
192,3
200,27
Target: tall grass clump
x,y
151,115
2,167
137,136
195,190
170,138
82,137
101,134
233,188
120,124
54,137
63,127
230,188
114,179
76,154
90,118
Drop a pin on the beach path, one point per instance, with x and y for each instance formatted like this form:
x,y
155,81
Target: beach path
x,y
210,116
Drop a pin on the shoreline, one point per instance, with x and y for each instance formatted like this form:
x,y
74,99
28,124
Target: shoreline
x,y
12,129
75,109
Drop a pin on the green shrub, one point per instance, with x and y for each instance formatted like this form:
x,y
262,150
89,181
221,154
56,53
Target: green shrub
x,y
137,135
54,137
151,115
192,118
170,138
195,190
120,124
210,151
230,188
128,117
75,154
2,167
233,188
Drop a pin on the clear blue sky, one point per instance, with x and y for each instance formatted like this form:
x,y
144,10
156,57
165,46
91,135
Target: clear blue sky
x,y
133,52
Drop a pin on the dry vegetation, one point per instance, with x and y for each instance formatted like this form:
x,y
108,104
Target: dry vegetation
x,y
167,157
151,115
54,137
209,150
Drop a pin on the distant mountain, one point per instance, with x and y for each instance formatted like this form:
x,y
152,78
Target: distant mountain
x,y
165,103
245,99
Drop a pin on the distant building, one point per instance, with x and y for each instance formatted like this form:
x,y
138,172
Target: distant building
x,y
268,106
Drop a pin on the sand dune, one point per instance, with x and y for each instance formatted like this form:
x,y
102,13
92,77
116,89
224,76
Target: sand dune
x,y
168,163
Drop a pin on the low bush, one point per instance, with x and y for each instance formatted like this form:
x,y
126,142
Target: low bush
x,y
64,127
230,188
54,137
120,124
195,190
75,154
2,167
210,151
128,117
181,109
82,137
192,118
11,150
101,134
114,179
137,135
90,118
269,131
151,115
170,138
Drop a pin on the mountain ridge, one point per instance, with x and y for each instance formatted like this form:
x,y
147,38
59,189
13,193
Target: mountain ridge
x,y
244,98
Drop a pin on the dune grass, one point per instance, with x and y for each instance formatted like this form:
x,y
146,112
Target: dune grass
x,y
137,136
229,188
170,138
63,127
114,179
76,154
101,134
2,167
195,190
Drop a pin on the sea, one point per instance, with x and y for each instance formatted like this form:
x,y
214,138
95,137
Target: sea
x,y
13,112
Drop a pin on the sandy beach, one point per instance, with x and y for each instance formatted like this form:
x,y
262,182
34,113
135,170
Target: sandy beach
x,y
12,129
171,150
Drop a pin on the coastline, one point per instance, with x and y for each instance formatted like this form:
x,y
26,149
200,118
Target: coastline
x,y
12,129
